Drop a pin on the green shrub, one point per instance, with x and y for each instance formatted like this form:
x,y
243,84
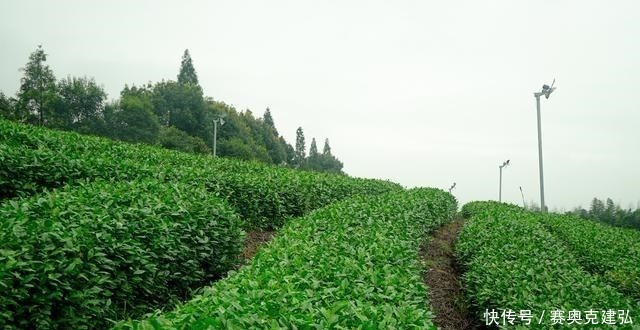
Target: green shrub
x,y
33,158
513,263
353,264
612,252
173,138
77,257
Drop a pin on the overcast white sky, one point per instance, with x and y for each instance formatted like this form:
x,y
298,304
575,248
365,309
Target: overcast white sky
x,y
423,93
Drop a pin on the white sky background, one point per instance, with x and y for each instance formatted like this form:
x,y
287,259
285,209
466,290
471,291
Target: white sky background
x,y
423,93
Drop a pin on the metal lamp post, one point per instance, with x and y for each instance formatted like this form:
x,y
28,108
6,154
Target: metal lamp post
x,y
452,186
216,121
506,163
546,91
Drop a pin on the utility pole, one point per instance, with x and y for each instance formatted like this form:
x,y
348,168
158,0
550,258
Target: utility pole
x,y
546,91
506,163
216,121
523,202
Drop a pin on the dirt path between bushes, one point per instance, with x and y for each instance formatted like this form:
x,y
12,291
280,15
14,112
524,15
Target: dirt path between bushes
x,y
254,241
443,277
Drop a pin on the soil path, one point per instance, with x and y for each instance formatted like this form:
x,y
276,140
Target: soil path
x,y
442,276
253,242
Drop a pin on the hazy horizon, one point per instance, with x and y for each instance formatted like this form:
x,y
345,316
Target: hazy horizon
x,y
420,93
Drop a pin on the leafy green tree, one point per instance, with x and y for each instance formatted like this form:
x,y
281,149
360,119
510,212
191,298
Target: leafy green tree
x,y
37,93
235,147
329,163
187,74
7,107
597,209
275,147
257,139
300,153
255,126
237,138
145,91
290,153
81,103
633,219
609,214
182,106
133,120
173,138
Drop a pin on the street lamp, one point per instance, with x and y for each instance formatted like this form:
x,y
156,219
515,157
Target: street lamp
x,y
216,122
506,163
452,186
546,91
523,202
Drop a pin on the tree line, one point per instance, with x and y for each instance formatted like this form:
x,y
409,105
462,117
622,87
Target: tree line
x,y
174,114
609,212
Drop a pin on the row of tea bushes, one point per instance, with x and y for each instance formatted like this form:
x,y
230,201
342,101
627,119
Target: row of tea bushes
x,y
512,262
77,257
612,252
34,158
351,265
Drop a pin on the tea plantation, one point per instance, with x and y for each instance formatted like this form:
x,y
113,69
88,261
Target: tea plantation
x,y
97,234
517,260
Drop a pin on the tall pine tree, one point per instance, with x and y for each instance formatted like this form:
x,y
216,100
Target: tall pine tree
x,y
313,150
300,153
276,149
187,74
268,120
327,149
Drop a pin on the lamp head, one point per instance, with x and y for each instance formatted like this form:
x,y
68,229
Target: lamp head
x,y
547,90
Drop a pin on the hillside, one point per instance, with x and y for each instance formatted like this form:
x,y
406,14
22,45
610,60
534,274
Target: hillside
x,y
98,234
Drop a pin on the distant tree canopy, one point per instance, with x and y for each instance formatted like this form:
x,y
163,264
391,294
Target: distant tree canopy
x,y
7,107
172,114
608,212
80,104
322,162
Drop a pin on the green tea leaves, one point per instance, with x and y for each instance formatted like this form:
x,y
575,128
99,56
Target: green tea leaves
x,y
351,265
94,263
